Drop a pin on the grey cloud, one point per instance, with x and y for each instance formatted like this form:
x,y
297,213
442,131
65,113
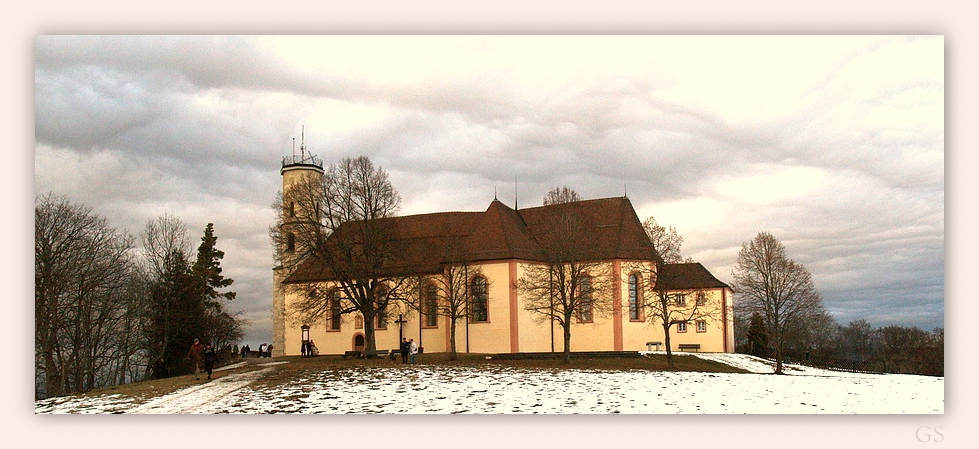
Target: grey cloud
x,y
195,126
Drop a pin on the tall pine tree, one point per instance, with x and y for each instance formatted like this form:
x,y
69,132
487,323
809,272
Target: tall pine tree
x,y
207,268
220,327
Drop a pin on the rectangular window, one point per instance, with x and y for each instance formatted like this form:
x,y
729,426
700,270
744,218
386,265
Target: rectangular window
x,y
430,306
701,326
681,327
478,308
680,299
585,301
382,313
701,298
634,297
335,311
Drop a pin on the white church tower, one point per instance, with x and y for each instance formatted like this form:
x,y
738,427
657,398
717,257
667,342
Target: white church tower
x,y
296,169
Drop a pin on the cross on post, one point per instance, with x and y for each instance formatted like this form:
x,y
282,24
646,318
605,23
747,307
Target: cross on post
x,y
401,324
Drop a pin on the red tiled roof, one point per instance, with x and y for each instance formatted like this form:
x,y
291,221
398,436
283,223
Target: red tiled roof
x,y
689,276
425,242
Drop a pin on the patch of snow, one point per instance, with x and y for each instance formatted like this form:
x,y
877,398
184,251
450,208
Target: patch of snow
x,y
420,389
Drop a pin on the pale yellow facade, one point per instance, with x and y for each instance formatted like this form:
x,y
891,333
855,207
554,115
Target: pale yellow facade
x,y
510,328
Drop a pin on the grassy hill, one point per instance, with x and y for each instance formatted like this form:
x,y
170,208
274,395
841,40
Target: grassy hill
x,y
289,368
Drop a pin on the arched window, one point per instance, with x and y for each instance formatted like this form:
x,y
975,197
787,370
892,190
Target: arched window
x,y
479,311
430,305
290,241
634,297
585,300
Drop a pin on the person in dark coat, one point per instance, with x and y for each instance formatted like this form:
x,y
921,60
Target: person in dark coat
x,y
210,358
404,350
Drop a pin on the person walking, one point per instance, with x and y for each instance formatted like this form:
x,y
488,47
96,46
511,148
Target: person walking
x,y
210,358
261,350
196,351
405,347
412,350
303,348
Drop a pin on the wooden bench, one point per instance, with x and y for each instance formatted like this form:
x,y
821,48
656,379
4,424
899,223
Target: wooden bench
x,y
354,354
651,344
695,347
379,354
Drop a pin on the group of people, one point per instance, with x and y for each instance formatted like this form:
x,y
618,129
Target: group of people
x,y
409,349
264,350
309,349
202,355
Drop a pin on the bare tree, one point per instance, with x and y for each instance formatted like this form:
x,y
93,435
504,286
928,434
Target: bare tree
x,y
778,288
569,286
673,302
336,227
446,294
81,286
560,195
668,298
171,301
665,240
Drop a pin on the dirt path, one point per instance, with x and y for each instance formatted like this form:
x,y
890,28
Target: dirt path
x,y
201,398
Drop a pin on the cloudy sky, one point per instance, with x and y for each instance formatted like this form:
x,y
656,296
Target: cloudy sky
x,y
834,144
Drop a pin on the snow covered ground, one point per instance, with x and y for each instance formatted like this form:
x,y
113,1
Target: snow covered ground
x,y
421,389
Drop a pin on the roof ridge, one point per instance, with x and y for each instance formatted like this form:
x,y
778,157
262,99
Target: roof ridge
x,y
592,200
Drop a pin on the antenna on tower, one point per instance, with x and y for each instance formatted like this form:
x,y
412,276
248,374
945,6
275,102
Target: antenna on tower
x,y
302,143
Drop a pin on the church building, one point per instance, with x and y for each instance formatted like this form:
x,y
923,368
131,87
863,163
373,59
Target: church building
x,y
502,246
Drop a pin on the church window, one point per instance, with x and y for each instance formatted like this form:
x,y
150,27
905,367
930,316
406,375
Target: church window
x,y
634,297
585,314
480,298
334,321
430,305
382,313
